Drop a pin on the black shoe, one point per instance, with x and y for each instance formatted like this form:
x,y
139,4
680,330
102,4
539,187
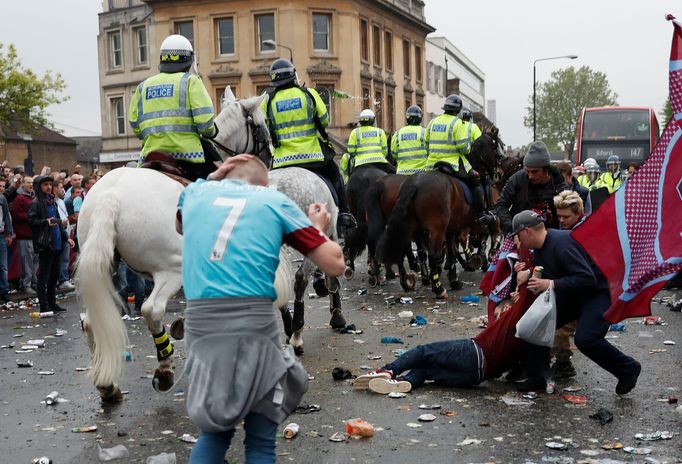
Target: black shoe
x,y
517,374
57,309
676,307
347,220
487,219
626,384
4,298
563,370
531,385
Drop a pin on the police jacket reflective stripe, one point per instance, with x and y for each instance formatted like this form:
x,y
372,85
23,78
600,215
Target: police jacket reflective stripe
x,y
367,144
291,113
408,148
440,142
169,111
610,182
466,134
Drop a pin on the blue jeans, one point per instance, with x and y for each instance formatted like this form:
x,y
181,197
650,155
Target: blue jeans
x,y
127,279
4,286
452,363
259,443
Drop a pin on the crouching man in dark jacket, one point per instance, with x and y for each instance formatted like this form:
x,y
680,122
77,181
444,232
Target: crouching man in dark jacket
x,y
49,238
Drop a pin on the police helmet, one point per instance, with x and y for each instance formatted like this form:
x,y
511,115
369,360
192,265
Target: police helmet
x,y
588,162
466,114
282,72
452,104
414,115
176,54
367,117
613,163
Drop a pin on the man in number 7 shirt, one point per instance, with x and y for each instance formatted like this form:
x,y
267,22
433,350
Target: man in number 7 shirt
x,y
233,227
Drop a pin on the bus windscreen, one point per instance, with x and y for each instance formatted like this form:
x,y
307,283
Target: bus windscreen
x,y
627,125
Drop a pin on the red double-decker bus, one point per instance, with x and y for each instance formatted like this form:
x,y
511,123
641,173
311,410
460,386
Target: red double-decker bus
x,y
629,132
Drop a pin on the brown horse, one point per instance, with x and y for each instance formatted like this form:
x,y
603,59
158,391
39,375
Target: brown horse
x,y
432,209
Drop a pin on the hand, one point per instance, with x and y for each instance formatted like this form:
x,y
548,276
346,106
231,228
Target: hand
x,y
474,173
228,165
522,277
519,266
8,240
17,180
65,222
71,243
515,297
319,216
539,285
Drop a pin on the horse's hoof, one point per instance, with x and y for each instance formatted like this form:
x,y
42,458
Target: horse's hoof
x,y
443,294
177,328
348,273
337,321
110,394
163,379
320,287
390,274
475,262
372,281
456,285
298,350
410,281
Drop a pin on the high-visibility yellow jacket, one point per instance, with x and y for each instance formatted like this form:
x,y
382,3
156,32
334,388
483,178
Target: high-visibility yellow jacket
x,y
344,165
610,182
441,144
169,111
584,180
291,117
408,148
466,134
367,144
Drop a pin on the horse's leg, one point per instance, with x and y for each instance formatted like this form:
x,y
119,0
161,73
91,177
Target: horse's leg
x,y
300,284
407,279
337,320
423,260
412,259
166,284
287,321
452,245
435,248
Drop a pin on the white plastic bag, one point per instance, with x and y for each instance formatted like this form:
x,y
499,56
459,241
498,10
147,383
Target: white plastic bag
x,y
538,325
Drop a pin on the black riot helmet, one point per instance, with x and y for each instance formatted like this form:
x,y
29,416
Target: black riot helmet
x,y
452,104
466,114
414,115
282,72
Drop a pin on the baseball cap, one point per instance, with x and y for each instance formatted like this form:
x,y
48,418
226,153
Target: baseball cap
x,y
525,219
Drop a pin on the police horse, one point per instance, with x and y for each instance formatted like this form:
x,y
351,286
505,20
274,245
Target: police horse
x,y
130,214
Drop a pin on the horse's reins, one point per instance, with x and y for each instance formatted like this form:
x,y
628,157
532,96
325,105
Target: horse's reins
x,y
251,132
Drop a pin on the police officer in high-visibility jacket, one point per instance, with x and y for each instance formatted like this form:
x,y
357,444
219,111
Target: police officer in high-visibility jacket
x,y
443,145
591,179
367,146
171,110
296,115
408,144
612,179
467,132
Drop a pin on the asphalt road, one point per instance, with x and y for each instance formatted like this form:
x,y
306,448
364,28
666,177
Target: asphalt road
x,y
483,429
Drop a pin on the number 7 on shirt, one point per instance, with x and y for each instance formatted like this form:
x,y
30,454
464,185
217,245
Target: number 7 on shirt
x,y
236,206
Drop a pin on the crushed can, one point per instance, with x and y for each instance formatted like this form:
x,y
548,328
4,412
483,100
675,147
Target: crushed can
x,y
42,460
405,300
537,272
27,363
291,430
40,343
40,315
51,398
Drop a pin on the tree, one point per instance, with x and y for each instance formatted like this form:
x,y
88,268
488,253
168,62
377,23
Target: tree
x,y
560,100
666,112
24,96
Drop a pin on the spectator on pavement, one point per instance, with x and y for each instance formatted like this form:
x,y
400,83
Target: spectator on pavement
x,y
64,281
7,233
22,229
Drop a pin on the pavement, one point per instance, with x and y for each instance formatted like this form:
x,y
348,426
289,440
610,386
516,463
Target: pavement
x,y
481,428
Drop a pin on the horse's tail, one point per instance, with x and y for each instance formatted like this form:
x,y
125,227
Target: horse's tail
x,y
98,295
398,234
375,216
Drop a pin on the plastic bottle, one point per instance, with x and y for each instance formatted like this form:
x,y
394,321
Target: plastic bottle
x,y
359,428
39,315
469,299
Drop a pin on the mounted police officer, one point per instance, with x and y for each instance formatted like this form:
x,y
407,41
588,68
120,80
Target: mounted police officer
x,y
612,178
367,146
172,110
408,145
296,115
447,141
532,188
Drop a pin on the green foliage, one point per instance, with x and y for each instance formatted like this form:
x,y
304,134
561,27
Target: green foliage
x,y
560,100
24,96
666,113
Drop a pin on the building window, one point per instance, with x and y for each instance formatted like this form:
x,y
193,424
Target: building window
x,y
366,98
321,31
378,108
141,44
219,91
388,49
225,33
115,49
261,88
390,112
265,25
186,29
406,57
408,102
418,63
376,42
119,116
420,103
326,92
430,78
364,40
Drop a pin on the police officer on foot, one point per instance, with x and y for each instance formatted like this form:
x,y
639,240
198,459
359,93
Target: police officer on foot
x,y
408,145
446,141
296,115
172,110
367,146
612,178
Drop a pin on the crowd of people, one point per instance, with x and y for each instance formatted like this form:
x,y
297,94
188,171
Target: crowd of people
x,y
39,219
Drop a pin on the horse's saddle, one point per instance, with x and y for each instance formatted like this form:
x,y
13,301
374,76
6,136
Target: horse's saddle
x,y
166,164
446,168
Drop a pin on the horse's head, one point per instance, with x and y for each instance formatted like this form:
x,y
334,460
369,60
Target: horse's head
x,y
486,152
242,127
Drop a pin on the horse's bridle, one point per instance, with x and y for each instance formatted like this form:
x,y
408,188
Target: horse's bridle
x,y
255,132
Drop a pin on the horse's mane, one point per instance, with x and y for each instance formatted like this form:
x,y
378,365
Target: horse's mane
x,y
231,119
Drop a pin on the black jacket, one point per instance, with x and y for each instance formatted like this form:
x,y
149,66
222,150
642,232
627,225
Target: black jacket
x,y
38,220
519,194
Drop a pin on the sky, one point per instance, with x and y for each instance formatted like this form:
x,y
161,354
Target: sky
x,y
628,41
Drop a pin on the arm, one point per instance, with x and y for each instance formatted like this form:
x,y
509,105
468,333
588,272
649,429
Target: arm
x,y
9,229
320,108
352,143
35,219
384,144
202,107
395,145
327,256
133,116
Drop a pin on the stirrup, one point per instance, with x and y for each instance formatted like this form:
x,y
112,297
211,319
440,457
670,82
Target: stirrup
x,y
347,220
487,218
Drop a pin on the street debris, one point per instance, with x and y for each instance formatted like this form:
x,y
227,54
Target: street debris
x,y
359,428
391,340
405,300
27,363
515,401
470,441
573,388
163,458
639,451
575,399
109,454
307,408
555,445
405,314
86,429
613,445
426,418
619,327
45,372
418,320
339,437
187,438
668,342
413,425
339,373
291,430
469,299
373,357
51,398
603,415
665,435
449,413
429,406
42,460
397,395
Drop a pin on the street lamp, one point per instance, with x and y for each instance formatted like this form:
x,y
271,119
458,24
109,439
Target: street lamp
x,y
570,57
272,43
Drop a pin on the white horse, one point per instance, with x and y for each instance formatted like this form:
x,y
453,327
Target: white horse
x,y
131,213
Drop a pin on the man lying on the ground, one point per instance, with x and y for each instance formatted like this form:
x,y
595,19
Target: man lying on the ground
x,y
457,363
